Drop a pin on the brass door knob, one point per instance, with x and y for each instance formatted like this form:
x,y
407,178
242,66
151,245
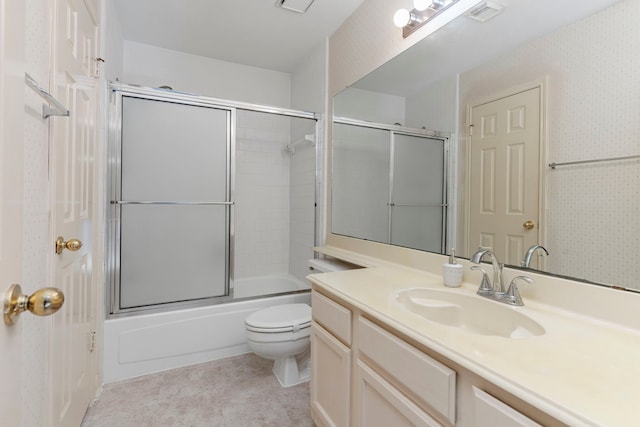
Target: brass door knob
x,y
528,225
72,245
42,302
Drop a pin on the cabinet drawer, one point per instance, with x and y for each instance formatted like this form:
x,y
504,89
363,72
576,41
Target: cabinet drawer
x,y
429,381
489,411
332,316
381,404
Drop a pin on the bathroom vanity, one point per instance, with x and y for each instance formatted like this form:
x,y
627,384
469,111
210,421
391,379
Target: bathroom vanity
x,y
378,361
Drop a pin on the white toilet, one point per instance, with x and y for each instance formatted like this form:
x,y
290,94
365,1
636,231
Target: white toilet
x,y
281,333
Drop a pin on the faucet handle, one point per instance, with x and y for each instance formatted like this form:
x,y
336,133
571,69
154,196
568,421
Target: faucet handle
x,y
513,294
485,286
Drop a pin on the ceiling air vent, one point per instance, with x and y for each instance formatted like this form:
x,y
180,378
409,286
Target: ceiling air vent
x,y
485,11
299,6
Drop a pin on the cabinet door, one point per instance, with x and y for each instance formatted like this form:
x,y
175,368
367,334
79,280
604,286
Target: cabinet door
x,y
378,403
489,411
330,379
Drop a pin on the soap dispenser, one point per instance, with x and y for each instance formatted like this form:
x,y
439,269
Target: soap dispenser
x,y
452,271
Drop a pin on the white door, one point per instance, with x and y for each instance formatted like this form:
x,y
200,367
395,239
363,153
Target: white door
x,y
72,153
504,175
11,196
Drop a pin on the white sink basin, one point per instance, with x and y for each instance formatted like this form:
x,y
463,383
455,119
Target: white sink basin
x,y
469,312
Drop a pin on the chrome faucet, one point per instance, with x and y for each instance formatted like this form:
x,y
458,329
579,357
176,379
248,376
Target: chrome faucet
x,y
498,281
527,257
496,290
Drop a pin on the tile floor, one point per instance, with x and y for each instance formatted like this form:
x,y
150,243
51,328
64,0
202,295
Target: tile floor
x,y
239,391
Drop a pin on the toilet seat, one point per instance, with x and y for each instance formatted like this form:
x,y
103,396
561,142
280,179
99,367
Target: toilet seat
x,y
279,319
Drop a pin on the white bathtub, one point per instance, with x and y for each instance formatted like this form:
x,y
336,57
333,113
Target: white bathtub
x,y
147,343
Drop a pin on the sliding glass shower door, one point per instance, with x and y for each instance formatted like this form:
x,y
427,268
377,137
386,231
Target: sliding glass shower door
x,y
172,202
389,185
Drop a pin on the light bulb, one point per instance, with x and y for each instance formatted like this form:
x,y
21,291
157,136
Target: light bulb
x,y
421,4
401,18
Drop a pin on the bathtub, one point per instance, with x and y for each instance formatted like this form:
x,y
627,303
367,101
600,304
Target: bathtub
x,y
147,343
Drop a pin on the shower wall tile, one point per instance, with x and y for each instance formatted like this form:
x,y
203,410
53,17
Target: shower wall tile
x,y
261,195
302,200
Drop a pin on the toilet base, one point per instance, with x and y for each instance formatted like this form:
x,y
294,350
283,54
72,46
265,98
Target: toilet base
x,y
292,370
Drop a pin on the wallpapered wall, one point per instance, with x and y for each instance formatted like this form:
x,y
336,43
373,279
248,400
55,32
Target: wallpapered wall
x,y
593,112
35,228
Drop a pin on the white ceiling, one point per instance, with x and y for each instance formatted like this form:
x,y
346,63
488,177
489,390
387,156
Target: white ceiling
x,y
250,32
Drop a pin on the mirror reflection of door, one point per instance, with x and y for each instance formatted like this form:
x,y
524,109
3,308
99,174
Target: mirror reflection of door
x,y
504,175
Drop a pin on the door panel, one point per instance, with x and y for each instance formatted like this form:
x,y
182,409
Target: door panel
x,y
504,176
73,361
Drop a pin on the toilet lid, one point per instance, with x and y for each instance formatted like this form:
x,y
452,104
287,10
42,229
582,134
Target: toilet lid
x,y
280,318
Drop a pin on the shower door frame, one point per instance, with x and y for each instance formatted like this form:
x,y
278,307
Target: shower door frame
x,y
116,91
445,138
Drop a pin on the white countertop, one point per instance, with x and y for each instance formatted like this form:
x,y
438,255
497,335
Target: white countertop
x,y
582,371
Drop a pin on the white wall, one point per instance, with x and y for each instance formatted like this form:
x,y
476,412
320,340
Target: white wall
x,y
593,113
370,106
435,108
308,81
152,66
113,43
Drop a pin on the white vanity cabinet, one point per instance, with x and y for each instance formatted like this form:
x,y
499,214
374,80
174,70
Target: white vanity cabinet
x,y
364,373
331,362
375,379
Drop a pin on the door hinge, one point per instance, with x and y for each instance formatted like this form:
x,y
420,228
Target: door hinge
x,y
97,67
471,130
92,341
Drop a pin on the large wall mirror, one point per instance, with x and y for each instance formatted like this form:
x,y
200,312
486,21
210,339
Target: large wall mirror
x,y
449,144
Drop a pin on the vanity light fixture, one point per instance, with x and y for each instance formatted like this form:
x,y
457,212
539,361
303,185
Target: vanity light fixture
x,y
423,11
